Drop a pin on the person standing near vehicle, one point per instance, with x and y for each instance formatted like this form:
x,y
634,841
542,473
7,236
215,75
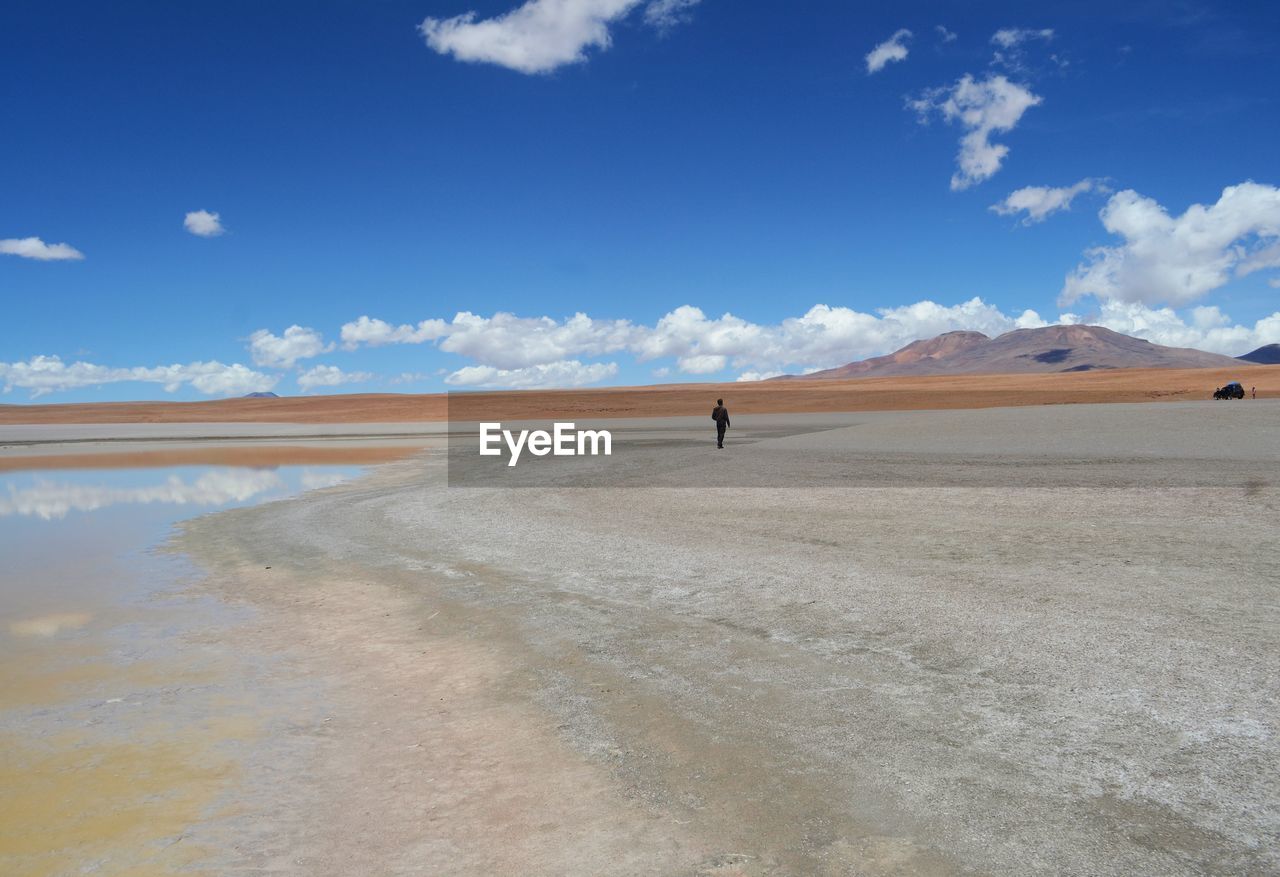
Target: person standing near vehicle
x,y
720,415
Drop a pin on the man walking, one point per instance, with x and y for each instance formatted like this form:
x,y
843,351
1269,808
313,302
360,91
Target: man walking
x,y
720,415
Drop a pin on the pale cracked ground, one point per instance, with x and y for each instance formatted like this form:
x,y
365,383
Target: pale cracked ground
x,y
1062,661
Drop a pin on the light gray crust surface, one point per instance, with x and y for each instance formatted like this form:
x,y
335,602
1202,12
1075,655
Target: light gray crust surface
x,y
866,680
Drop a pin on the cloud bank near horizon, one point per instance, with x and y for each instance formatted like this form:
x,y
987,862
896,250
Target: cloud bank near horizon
x,y
42,375
516,352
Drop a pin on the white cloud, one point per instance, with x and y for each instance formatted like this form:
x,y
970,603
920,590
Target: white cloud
x,y
758,376
34,248
822,337
1274,283
566,373
282,351
537,37
509,350
983,108
410,378
511,342
375,333
49,374
892,49
203,224
666,14
1206,328
702,364
945,35
1039,202
1012,37
1176,260
329,376
503,340
54,500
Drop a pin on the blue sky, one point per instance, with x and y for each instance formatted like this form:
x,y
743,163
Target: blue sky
x,y
720,189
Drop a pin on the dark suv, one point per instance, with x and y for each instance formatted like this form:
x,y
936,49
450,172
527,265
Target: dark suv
x,y
1232,390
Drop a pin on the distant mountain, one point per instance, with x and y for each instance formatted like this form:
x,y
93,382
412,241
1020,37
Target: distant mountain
x,y
261,396
1049,349
925,357
1268,354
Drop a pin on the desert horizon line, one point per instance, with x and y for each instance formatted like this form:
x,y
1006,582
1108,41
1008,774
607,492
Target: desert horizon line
x,y
1153,354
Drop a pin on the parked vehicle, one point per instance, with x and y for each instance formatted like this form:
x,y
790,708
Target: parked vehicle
x,y
1232,390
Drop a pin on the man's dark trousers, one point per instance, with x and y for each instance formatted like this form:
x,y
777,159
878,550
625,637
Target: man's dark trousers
x,y
721,426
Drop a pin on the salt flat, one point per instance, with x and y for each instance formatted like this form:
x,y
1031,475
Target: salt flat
x,y
1029,669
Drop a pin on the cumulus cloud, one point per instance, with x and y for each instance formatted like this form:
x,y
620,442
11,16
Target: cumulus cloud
x,y
666,14
566,373
511,342
982,108
892,49
758,376
1012,37
203,224
702,364
1164,259
537,37
34,248
282,351
1205,328
945,35
371,332
329,376
504,340
823,336
512,349
1040,202
49,374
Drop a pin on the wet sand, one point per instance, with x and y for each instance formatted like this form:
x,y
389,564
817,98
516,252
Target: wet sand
x,y
996,676
793,396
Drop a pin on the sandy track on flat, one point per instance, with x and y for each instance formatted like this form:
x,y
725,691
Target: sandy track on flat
x,y
1001,678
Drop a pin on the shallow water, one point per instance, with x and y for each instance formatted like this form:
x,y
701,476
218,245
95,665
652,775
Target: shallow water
x,y
124,716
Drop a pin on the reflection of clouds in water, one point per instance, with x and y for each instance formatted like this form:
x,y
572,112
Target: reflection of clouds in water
x,y
49,625
51,500
314,479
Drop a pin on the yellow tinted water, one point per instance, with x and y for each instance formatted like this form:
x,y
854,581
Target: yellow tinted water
x,y
119,808
88,800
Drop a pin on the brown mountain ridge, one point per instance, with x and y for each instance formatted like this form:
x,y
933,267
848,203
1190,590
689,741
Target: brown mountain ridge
x,y
1025,351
